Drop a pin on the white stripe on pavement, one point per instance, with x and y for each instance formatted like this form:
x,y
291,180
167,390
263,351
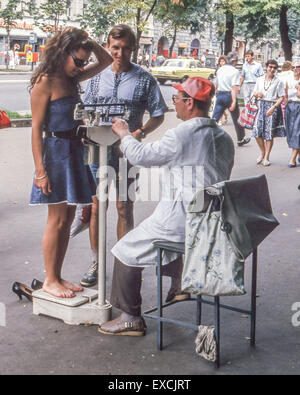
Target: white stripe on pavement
x,y
15,81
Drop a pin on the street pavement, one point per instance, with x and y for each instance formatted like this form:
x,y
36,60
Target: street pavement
x,y
41,345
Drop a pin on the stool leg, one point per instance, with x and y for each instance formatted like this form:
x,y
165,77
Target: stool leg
x,y
217,329
253,297
159,300
199,310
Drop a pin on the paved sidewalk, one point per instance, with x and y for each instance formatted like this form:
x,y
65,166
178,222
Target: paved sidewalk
x,y
41,345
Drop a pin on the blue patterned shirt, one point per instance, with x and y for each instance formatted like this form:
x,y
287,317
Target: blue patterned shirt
x,y
136,88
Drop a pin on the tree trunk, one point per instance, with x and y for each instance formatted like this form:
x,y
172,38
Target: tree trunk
x,y
8,48
173,43
138,36
229,32
245,48
284,33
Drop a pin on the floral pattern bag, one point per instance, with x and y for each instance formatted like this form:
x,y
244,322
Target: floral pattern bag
x,y
212,264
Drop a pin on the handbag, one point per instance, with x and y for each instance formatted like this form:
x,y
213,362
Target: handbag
x,y
225,222
4,120
212,266
248,114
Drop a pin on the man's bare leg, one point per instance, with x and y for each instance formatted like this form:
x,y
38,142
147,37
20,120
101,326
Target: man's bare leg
x,y
125,217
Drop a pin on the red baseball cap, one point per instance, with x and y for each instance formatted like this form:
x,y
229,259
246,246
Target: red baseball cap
x,y
197,87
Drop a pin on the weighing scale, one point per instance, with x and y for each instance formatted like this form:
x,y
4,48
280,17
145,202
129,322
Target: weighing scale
x,y
89,306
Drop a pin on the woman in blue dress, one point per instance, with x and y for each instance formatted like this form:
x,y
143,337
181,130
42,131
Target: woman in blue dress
x,y
61,179
292,114
270,91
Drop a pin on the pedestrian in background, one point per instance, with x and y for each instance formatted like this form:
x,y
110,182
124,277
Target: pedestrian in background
x,y
227,83
221,61
269,120
61,179
250,72
292,114
287,77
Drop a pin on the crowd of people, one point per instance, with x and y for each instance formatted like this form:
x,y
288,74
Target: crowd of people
x,y
63,181
277,96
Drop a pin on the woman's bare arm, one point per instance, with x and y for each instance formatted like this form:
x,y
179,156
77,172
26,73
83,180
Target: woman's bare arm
x,y
104,59
39,100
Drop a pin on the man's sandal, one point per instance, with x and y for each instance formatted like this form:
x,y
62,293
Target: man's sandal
x,y
126,328
178,296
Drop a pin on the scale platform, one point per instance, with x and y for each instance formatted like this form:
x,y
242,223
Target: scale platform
x,y
82,309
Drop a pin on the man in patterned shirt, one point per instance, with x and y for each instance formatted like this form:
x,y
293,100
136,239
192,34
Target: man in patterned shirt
x,y
128,83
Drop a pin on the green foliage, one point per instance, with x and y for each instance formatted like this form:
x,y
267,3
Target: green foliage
x,y
183,14
98,17
9,13
294,25
50,13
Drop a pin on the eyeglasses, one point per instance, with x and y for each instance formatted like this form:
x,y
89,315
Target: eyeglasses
x,y
176,98
78,62
295,67
273,67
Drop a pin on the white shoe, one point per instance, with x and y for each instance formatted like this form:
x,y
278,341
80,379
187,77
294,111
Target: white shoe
x,y
266,162
259,159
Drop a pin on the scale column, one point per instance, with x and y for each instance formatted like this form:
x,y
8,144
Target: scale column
x,y
102,197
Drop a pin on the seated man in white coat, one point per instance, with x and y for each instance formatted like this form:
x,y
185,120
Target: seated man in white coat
x,y
195,143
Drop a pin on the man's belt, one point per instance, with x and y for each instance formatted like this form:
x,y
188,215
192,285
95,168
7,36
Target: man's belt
x,y
68,134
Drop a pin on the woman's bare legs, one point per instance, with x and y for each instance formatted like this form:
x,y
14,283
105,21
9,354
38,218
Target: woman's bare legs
x,y
261,145
55,242
269,146
63,249
293,159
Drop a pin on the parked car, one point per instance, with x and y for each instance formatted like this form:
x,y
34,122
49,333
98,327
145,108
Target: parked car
x,y
177,69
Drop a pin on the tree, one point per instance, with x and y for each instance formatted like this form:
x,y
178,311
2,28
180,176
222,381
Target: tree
x,y
293,19
50,14
181,14
99,17
136,12
277,10
228,8
10,15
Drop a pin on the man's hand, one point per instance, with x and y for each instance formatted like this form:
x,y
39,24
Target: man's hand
x,y
137,134
120,127
232,107
259,95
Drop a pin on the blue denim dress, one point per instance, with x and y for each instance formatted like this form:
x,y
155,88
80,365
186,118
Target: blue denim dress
x,y
71,181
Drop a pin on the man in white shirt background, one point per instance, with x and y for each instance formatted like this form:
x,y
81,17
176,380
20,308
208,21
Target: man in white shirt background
x,y
227,84
250,72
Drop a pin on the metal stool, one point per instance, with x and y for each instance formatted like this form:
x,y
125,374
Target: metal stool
x,y
179,248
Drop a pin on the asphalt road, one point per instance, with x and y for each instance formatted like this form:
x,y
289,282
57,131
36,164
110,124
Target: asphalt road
x,y
14,95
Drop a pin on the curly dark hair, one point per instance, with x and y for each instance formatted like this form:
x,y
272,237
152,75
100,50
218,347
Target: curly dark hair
x,y
57,50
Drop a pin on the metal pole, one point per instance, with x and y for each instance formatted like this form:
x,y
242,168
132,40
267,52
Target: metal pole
x,y
102,197
253,297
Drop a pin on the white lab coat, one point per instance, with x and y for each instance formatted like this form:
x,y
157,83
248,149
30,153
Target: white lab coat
x,y
195,154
